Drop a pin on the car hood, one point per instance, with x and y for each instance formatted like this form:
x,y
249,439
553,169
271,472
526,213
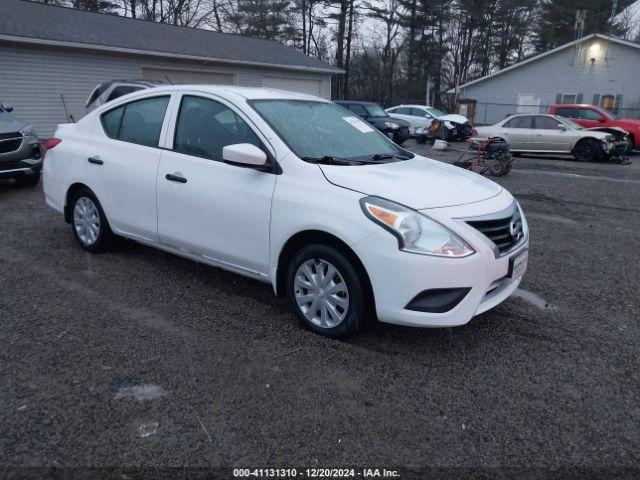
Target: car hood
x,y
454,117
613,130
9,123
418,183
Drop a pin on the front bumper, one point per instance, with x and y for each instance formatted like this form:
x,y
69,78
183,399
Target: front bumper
x,y
25,160
397,277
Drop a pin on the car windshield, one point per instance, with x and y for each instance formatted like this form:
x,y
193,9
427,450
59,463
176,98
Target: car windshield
x,y
323,130
435,112
375,110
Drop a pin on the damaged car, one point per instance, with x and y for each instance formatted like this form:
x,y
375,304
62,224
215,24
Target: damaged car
x,y
545,133
421,118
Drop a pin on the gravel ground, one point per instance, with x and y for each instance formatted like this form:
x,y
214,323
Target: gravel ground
x,y
140,358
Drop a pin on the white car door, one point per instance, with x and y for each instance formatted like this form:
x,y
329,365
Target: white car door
x,y
122,164
208,207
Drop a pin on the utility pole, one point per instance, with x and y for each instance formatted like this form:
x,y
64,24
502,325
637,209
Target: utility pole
x,y
614,7
578,26
428,91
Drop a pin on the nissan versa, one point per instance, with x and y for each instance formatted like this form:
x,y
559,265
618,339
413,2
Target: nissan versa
x,y
295,191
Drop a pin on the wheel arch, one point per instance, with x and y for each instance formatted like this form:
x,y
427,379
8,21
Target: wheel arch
x,y
71,191
311,237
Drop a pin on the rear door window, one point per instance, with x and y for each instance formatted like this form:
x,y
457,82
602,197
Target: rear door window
x,y
137,122
111,121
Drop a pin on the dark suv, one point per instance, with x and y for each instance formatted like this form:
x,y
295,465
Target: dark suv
x,y
21,152
374,114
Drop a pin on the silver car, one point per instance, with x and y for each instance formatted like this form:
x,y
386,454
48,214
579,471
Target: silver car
x,y
543,133
21,151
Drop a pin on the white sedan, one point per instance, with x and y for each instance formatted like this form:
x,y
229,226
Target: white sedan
x,y
295,191
420,118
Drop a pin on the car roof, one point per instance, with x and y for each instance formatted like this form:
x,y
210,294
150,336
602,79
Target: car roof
x,y
574,105
412,105
249,93
356,102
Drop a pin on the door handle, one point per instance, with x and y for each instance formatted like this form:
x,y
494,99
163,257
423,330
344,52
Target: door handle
x,y
95,161
175,178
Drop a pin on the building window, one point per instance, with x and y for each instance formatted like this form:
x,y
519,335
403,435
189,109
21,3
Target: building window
x,y
608,101
569,98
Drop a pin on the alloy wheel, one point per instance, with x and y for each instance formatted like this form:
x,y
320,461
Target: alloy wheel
x,y
86,220
321,293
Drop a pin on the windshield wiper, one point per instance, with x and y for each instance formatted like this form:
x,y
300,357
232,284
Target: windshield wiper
x,y
389,156
330,160
382,156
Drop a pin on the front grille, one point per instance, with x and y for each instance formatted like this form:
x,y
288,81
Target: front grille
x,y
9,165
10,142
5,136
504,232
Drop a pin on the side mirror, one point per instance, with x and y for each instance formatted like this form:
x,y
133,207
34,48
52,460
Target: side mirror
x,y
562,126
602,119
244,154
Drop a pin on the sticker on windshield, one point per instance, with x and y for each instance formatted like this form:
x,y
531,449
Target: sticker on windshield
x,y
359,124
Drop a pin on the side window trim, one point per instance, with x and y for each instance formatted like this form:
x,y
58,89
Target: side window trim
x,y
124,111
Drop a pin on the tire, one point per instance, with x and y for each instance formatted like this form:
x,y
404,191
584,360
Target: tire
x,y
89,223
498,168
28,180
587,150
348,302
631,145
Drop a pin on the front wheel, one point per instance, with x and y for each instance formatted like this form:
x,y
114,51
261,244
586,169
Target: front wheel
x,y
89,223
631,143
326,291
587,150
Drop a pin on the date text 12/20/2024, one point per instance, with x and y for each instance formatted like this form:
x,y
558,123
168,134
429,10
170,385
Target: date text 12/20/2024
x,y
315,473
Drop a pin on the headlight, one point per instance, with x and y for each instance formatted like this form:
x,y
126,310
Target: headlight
x,y
415,232
28,131
391,125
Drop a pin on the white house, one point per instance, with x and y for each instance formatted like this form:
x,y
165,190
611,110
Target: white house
x,y
597,69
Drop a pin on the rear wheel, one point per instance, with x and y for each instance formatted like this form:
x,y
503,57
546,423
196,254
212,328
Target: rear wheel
x,y
587,150
89,224
326,291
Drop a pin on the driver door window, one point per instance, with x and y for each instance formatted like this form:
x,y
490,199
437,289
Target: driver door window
x,y
204,127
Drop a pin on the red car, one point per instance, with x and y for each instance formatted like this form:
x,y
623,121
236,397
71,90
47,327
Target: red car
x,y
589,116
